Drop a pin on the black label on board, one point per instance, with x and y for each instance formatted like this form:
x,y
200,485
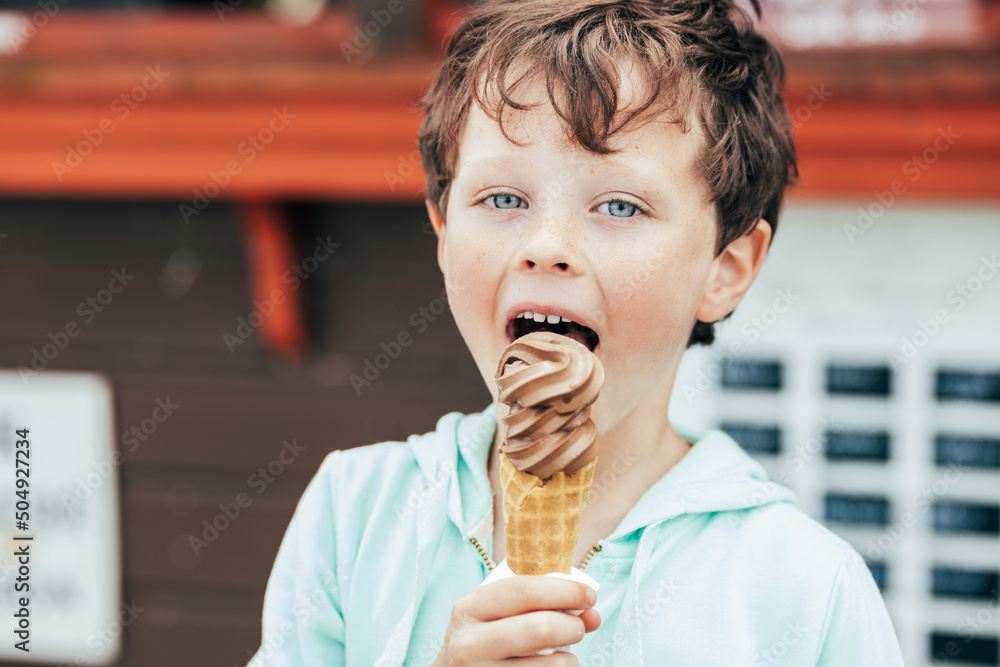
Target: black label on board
x,y
857,445
751,375
964,649
764,439
968,386
857,380
967,451
856,509
951,517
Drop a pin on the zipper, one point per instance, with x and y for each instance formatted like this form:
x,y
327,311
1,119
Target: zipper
x,y
593,551
482,552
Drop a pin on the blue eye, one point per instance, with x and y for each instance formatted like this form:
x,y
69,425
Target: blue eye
x,y
626,209
508,199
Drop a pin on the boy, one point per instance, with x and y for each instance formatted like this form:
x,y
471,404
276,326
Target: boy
x,y
613,168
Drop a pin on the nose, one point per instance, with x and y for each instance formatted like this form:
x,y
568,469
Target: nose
x,y
551,248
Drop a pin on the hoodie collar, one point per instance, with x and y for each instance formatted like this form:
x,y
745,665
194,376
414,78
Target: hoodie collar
x,y
465,466
715,475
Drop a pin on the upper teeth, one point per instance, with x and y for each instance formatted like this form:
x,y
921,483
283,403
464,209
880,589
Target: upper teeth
x,y
540,317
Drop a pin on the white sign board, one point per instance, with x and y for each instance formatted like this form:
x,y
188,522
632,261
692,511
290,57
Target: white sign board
x,y
862,371
60,570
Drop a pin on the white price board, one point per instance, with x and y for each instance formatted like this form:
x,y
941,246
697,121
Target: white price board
x,y
60,568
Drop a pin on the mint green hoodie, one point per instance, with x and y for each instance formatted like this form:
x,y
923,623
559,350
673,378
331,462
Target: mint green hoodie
x,y
714,565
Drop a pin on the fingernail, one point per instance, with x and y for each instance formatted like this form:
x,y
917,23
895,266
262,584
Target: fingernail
x,y
591,596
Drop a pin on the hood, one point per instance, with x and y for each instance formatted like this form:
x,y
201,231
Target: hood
x,y
716,475
469,496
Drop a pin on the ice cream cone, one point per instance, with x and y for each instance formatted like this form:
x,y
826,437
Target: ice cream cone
x,y
542,519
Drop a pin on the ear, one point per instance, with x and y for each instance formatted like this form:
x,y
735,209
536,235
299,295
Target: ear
x,y
733,271
437,222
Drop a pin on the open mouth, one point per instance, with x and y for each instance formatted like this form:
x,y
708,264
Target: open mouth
x,y
526,322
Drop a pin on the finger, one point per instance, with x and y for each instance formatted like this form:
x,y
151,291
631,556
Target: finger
x,y
525,593
527,634
591,619
557,659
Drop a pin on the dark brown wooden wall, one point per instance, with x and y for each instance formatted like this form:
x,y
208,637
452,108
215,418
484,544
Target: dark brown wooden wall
x,y
235,408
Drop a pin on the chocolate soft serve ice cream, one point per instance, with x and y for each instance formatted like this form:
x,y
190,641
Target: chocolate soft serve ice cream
x,y
547,459
549,394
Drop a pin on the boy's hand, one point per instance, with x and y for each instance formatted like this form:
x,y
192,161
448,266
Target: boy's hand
x,y
516,617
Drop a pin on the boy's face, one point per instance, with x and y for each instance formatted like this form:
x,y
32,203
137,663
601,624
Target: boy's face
x,y
551,228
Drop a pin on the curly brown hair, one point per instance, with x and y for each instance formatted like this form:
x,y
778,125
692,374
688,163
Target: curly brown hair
x,y
703,60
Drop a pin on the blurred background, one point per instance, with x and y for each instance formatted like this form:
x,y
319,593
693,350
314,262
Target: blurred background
x,y
213,240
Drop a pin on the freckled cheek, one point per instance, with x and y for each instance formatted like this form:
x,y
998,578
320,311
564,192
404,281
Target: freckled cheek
x,y
650,307
471,286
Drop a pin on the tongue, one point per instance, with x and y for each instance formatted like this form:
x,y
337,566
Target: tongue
x,y
578,336
574,333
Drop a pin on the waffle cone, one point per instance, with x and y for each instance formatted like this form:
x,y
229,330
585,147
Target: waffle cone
x,y
542,520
